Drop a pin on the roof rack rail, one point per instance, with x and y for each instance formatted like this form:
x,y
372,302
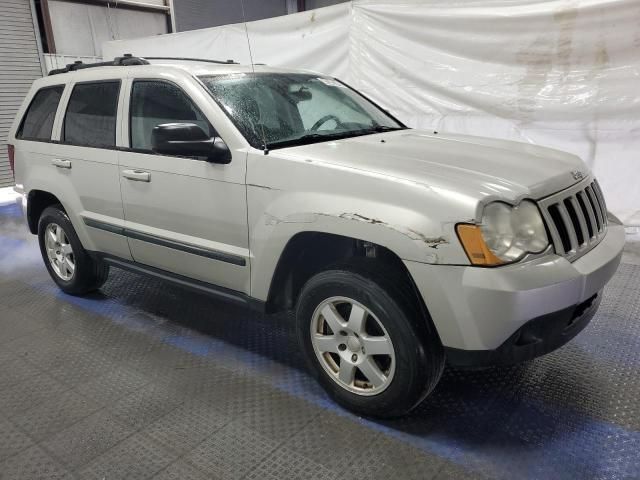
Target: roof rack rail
x,y
188,59
125,61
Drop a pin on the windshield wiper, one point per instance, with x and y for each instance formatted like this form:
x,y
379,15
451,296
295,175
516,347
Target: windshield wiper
x,y
321,137
385,128
310,138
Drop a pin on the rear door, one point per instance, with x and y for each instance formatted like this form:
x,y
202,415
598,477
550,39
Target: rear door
x,y
183,215
85,156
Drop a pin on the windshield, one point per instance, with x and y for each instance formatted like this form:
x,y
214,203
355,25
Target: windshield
x,y
295,109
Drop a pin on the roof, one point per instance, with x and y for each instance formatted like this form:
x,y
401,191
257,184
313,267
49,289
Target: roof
x,y
203,68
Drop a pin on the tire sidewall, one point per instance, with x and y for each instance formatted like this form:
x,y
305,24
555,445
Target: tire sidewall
x,y
83,262
408,383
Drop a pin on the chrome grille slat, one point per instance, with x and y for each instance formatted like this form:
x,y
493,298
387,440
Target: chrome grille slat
x,y
591,214
568,225
581,220
555,234
603,208
596,207
576,218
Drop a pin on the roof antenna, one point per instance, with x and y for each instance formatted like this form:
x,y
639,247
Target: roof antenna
x,y
265,147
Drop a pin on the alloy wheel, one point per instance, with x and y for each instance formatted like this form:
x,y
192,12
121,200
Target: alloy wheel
x,y
352,346
59,252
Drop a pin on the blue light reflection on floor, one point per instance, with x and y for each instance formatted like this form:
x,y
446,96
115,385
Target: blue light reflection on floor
x,y
500,457
602,449
12,210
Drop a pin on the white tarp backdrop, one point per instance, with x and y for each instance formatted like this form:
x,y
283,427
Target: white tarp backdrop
x,y
82,29
562,73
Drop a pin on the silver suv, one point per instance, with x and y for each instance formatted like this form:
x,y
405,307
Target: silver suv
x,y
398,249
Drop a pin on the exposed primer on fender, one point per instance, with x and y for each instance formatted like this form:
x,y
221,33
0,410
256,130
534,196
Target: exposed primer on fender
x,y
295,218
432,242
261,186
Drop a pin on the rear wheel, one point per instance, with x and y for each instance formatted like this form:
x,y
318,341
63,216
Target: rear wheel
x,y
367,341
68,263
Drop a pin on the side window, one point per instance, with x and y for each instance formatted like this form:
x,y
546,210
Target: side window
x,y
154,103
37,123
91,115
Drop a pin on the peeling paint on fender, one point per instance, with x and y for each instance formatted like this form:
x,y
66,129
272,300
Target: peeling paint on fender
x,y
432,242
261,186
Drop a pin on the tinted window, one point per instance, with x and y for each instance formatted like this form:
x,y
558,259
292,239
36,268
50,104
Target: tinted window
x,y
38,121
91,115
154,103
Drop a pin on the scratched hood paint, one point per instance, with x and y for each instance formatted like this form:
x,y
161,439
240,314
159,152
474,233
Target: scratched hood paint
x,y
477,166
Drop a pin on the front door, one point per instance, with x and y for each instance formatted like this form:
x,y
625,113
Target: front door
x,y
183,215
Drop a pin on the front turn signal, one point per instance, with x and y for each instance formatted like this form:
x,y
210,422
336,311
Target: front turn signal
x,y
475,247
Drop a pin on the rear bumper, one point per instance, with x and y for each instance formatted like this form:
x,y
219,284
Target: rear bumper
x,y
21,199
487,309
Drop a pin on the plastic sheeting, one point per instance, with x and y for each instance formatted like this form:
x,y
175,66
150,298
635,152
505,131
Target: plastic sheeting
x,y
561,73
82,29
316,40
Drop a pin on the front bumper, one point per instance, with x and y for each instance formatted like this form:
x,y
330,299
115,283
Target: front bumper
x,y
536,337
484,309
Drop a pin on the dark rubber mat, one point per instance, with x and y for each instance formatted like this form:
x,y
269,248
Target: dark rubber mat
x,y
145,380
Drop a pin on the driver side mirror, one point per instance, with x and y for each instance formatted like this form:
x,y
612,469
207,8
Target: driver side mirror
x,y
188,140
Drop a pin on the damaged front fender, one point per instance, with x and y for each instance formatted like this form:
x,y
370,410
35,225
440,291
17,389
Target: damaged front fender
x,y
433,245
409,232
415,222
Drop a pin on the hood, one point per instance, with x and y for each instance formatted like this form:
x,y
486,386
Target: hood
x,y
478,166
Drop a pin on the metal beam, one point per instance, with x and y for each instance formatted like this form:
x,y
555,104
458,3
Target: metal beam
x,y
36,31
126,4
172,15
48,29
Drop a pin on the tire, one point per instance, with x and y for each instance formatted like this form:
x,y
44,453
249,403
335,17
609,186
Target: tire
x,y
417,357
88,274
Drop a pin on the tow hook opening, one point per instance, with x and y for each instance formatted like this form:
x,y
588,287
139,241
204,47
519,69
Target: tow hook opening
x,y
581,309
526,337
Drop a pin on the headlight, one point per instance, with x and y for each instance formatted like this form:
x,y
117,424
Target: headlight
x,y
505,235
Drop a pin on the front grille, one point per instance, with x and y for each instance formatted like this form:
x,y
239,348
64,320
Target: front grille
x,y
576,218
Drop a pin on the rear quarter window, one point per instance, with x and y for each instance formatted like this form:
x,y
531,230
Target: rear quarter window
x,y
91,115
37,123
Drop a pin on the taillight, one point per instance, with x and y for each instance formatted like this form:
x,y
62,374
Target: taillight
x,y
12,151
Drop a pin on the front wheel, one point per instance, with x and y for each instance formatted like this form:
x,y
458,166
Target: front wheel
x,y
367,341
68,263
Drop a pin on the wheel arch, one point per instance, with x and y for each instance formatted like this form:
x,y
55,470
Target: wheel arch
x,y
309,252
37,201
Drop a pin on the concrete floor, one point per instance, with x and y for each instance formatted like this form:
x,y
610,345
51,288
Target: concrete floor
x,y
144,380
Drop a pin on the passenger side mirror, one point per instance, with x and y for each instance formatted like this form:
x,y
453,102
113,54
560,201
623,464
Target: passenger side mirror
x,y
188,140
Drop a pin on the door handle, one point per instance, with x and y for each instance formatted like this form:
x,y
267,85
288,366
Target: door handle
x,y
137,175
61,163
